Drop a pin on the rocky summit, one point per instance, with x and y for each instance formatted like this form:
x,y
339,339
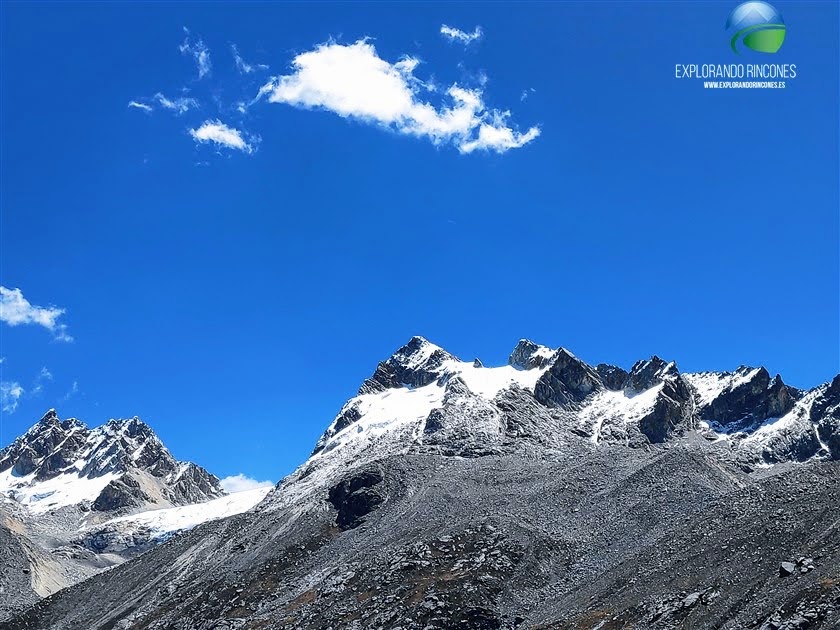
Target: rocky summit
x,y
545,493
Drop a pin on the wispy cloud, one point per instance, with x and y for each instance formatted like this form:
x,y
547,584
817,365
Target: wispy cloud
x,y
10,394
141,106
199,52
16,310
243,66
74,389
38,386
219,133
455,34
354,82
179,105
240,482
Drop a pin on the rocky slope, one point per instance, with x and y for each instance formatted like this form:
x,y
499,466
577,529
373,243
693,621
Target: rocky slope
x,y
547,493
74,501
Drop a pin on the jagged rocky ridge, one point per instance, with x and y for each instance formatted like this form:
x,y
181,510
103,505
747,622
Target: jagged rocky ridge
x,y
760,418
547,493
124,462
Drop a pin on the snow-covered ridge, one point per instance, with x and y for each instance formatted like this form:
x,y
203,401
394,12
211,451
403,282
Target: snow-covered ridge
x,y
403,407
392,413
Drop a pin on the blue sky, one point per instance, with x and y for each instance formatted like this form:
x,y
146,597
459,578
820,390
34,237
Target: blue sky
x,y
230,268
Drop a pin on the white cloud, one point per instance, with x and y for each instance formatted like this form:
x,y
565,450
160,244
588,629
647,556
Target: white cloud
x,y
456,34
240,482
10,393
219,133
143,106
243,66
354,82
199,52
16,310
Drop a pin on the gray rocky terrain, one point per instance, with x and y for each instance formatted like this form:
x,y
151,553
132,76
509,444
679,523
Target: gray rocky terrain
x,y
543,494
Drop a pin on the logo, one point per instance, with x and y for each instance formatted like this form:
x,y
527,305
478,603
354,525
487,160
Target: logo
x,y
757,26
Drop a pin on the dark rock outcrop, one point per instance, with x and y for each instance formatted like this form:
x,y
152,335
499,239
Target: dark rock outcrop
x,y
612,376
649,373
753,400
568,380
356,497
528,355
672,409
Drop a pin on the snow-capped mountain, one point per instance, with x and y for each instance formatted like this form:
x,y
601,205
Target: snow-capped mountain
x,y
119,466
542,493
425,399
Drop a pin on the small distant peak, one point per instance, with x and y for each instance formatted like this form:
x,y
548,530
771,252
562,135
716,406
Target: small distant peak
x,y
649,372
477,363
417,352
51,417
131,427
528,355
48,420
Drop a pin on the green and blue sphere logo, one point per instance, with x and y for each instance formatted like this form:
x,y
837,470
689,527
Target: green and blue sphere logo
x,y
757,26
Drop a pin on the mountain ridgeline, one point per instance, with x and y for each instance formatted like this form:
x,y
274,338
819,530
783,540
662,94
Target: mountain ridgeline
x,y
546,493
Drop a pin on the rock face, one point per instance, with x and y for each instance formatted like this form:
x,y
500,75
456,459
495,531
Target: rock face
x,y
356,497
542,494
752,398
568,380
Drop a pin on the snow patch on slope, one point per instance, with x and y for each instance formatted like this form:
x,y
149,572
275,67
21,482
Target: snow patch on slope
x,y
406,408
166,522
710,385
607,406
60,491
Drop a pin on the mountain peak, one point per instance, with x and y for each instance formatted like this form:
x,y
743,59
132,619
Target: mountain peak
x,y
528,355
649,372
49,417
417,363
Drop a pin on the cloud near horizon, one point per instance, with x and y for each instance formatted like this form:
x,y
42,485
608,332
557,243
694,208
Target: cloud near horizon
x,y
241,482
354,82
217,132
455,34
16,310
